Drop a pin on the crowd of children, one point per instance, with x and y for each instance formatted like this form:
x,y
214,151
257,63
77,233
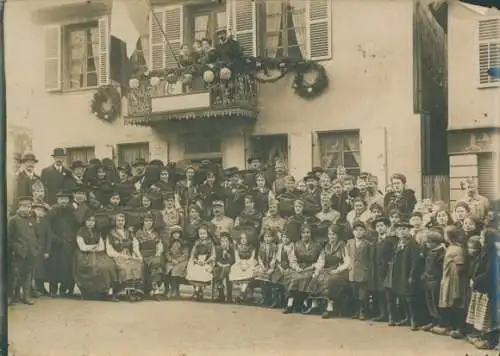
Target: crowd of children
x,y
332,246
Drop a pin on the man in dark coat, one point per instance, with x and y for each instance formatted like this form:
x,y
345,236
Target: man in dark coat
x,y
64,227
26,177
228,50
312,195
44,235
124,186
76,178
23,249
55,176
139,175
340,201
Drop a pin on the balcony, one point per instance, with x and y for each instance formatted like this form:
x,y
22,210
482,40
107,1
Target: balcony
x,y
162,100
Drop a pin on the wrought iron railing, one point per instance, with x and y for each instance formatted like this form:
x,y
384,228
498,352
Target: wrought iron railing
x,y
239,91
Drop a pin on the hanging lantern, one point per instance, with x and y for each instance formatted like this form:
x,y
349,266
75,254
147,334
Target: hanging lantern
x,y
154,81
188,78
133,83
171,78
208,76
225,73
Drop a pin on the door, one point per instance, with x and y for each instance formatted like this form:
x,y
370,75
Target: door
x,y
206,20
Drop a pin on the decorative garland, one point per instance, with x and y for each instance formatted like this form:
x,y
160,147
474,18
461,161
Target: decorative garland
x,y
305,89
262,69
106,103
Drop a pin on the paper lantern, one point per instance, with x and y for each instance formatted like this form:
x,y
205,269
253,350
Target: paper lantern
x,y
208,76
154,81
225,74
133,83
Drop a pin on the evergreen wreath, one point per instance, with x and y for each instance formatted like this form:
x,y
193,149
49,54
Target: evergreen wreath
x,y
305,89
106,103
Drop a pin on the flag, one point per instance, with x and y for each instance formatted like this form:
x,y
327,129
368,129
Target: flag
x,y
129,21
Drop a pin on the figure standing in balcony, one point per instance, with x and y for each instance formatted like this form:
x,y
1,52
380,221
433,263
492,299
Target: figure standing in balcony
x,y
228,50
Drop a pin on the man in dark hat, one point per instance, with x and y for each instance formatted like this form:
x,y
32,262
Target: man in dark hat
x,y
235,194
64,226
26,177
312,195
76,177
139,174
124,186
55,176
227,49
23,250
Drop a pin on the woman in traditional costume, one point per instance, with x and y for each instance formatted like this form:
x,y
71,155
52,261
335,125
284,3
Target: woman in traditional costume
x,y
123,248
200,265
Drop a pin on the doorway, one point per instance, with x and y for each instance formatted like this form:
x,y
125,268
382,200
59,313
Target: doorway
x,y
270,148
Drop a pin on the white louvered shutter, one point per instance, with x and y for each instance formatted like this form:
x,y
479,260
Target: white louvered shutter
x,y
104,41
242,18
487,175
319,29
489,48
171,20
53,58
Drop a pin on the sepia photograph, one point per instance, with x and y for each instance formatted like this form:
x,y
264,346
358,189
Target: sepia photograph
x,y
250,177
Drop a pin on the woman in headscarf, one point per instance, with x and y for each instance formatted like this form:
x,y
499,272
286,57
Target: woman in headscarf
x,y
124,249
94,271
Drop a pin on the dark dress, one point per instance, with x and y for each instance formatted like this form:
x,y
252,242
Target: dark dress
x,y
266,261
331,257
64,227
431,279
224,259
44,234
306,255
404,203
284,261
286,201
293,227
250,223
149,244
176,256
94,272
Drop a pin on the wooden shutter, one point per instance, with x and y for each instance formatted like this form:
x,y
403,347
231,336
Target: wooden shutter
x,y
316,152
487,176
461,168
104,44
159,150
53,56
242,17
170,19
318,29
489,48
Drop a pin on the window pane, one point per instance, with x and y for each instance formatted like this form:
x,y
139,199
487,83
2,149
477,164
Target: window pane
x,y
201,26
351,142
329,142
330,160
352,159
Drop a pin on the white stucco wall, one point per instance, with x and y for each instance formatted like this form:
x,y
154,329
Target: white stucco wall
x,y
370,90
469,105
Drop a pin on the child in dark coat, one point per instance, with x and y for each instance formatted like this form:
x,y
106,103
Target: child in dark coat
x,y
431,278
224,259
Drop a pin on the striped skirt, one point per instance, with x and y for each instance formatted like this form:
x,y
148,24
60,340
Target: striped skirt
x,y
480,312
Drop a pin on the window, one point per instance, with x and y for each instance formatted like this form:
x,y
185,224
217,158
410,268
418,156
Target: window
x,y
129,152
489,49
204,22
285,28
340,149
80,55
84,154
201,145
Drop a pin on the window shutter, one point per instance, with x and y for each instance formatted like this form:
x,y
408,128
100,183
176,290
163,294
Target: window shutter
x,y
487,177
489,48
104,40
242,18
319,29
316,152
53,58
170,19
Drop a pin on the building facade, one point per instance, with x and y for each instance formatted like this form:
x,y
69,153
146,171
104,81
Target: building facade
x,y
368,119
474,98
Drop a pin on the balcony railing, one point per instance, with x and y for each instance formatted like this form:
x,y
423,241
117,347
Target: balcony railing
x,y
163,100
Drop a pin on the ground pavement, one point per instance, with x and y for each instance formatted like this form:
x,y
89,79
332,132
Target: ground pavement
x,y
67,327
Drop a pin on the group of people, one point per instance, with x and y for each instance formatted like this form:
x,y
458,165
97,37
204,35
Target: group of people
x,y
332,246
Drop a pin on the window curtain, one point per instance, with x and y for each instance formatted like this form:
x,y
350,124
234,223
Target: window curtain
x,y
201,27
298,9
352,155
131,153
77,64
274,14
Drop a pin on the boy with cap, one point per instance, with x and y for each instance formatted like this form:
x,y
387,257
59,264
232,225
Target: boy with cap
x,y
44,234
384,247
358,260
405,272
24,249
